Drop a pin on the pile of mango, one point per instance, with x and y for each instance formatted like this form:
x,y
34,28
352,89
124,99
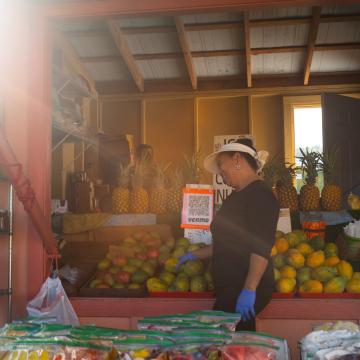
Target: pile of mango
x,y
311,266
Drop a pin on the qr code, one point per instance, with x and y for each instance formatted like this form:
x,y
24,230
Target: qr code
x,y
199,206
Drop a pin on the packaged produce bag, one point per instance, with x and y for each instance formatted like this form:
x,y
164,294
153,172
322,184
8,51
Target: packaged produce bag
x,y
52,303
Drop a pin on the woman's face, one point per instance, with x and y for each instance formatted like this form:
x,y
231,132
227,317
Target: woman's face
x,y
226,164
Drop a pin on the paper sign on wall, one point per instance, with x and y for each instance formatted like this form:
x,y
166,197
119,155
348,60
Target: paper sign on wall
x,y
222,191
198,207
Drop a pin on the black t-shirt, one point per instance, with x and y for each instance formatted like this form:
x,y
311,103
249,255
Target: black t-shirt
x,y
245,225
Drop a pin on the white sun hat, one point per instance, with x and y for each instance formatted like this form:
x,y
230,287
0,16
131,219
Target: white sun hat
x,y
211,165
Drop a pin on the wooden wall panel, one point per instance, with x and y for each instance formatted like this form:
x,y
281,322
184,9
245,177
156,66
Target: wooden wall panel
x,y
267,123
220,116
169,128
121,117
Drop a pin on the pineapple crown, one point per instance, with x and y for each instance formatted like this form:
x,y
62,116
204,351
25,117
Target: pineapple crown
x,y
328,164
160,171
287,173
310,165
270,171
192,168
178,179
141,170
123,177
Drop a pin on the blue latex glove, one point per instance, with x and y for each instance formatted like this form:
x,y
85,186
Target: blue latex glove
x,y
245,304
187,257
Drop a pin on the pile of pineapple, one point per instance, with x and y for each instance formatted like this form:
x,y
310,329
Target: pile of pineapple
x,y
165,193
311,266
280,176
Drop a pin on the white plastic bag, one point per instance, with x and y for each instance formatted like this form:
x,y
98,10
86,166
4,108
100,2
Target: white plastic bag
x,y
52,302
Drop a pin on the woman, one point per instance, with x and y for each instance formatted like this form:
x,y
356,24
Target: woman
x,y
243,233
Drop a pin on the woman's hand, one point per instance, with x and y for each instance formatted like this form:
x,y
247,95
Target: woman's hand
x,y
245,304
187,257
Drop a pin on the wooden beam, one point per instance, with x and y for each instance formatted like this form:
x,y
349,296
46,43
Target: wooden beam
x,y
73,59
97,59
186,51
314,28
277,50
215,53
126,54
333,47
247,49
111,8
158,56
280,21
340,18
220,83
213,26
86,33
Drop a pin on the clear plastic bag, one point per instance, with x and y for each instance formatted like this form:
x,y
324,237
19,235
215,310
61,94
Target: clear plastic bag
x,y
52,302
246,351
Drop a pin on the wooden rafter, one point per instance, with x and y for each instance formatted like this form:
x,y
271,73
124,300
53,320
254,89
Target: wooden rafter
x,y
314,28
126,54
148,30
73,59
158,56
247,49
186,51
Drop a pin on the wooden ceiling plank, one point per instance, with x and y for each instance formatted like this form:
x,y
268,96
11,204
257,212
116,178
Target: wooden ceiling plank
x,y
148,30
186,51
215,53
247,49
314,28
73,59
123,47
213,26
277,50
158,56
334,47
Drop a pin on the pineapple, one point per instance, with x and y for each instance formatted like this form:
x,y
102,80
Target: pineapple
x,y
139,198
309,193
121,194
287,195
158,196
331,195
270,174
175,194
193,170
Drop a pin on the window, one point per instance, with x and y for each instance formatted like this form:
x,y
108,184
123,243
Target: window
x,y
307,135
302,129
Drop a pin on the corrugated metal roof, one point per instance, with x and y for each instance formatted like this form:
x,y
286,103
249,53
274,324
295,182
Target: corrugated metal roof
x,y
335,33
219,66
340,9
146,21
291,35
211,18
162,69
94,46
274,13
107,71
286,63
216,39
333,61
153,43
81,25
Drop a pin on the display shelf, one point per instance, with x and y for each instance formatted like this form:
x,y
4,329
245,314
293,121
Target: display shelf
x,y
68,86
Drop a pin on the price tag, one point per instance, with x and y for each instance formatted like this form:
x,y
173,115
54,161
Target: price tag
x,y
198,208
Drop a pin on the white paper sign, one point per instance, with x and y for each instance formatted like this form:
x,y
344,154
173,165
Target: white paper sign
x,y
222,191
284,222
198,236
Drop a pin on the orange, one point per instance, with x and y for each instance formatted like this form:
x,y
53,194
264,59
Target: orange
x,y
315,259
282,245
345,269
304,248
285,286
332,261
288,272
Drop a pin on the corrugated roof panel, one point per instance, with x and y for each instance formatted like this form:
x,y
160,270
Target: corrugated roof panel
x,y
162,69
107,71
211,18
216,40
334,33
333,61
146,21
273,13
81,25
286,63
219,66
94,46
291,35
340,9
153,43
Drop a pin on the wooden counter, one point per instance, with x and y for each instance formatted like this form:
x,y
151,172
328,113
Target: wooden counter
x,y
290,318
